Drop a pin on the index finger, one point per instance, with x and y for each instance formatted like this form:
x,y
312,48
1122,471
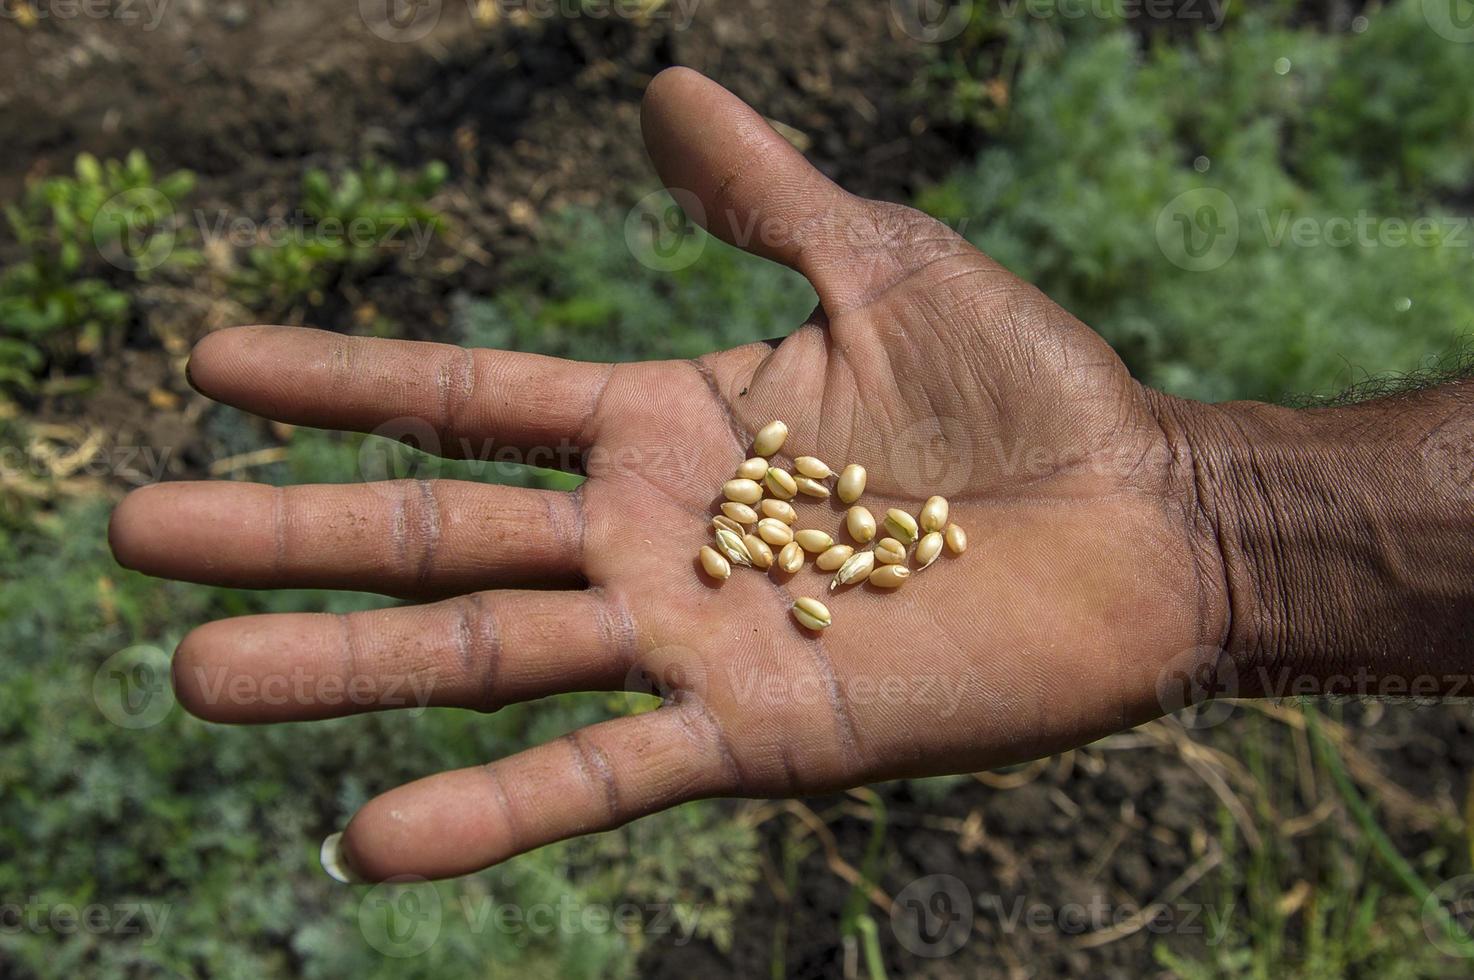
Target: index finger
x,y
471,401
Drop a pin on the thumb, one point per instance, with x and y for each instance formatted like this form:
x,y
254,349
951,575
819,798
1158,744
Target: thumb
x,y
748,186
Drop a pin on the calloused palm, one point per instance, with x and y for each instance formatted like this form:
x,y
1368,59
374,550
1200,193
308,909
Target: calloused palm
x,y
926,362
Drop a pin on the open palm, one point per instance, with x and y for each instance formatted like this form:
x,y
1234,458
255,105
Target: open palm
x,y
926,363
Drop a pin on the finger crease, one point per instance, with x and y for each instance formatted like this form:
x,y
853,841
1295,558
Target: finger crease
x,y
588,434
739,434
617,630
351,653
504,803
279,517
457,382
844,726
481,654
426,522
593,766
719,734
569,525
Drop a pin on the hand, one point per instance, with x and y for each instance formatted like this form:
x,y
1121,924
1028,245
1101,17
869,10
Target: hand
x,y
927,363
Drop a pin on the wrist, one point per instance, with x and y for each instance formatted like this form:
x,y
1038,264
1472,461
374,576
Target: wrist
x,y
1345,535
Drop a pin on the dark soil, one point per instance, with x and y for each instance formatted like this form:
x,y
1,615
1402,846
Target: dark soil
x,y
530,116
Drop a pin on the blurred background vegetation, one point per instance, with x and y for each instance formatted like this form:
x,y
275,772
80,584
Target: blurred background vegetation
x,y
1089,128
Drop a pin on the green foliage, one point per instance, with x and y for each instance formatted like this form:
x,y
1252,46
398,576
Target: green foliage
x,y
1397,115
584,295
81,239
1082,197
210,824
357,223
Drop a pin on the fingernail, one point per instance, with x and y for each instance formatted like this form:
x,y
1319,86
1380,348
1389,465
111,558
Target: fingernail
x,y
335,861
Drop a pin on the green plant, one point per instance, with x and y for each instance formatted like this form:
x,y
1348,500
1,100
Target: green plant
x,y
357,223
201,823
82,239
582,294
1077,197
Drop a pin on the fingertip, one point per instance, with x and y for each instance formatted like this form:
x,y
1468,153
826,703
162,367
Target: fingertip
x,y
440,826
209,353
187,673
217,357
127,529
750,186
387,838
669,82
337,862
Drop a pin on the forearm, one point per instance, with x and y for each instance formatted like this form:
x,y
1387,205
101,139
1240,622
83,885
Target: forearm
x,y
1346,536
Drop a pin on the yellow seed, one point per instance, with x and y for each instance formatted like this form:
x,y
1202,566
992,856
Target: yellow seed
x,y
860,523
811,614
752,469
814,542
714,564
780,509
834,557
890,551
851,483
928,549
739,513
762,555
857,569
956,539
812,487
731,547
934,514
770,439
812,467
780,483
901,526
791,558
723,521
890,576
774,531
743,491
